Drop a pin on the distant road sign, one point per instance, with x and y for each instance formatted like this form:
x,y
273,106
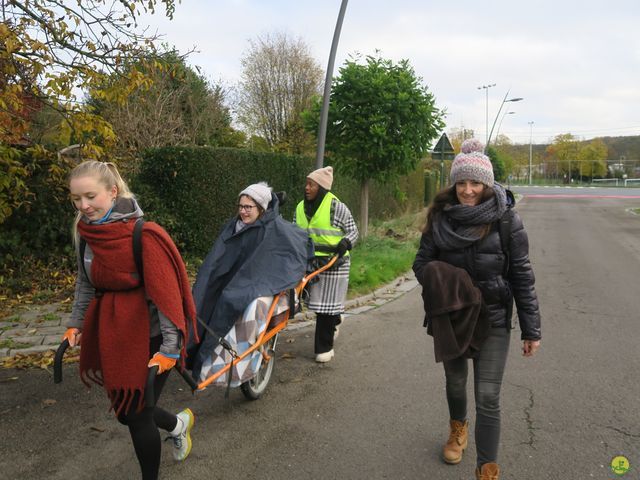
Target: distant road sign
x,y
443,149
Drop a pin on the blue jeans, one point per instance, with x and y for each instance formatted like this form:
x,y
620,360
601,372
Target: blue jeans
x,y
488,369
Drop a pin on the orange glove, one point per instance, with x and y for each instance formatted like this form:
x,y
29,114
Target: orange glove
x,y
163,361
73,335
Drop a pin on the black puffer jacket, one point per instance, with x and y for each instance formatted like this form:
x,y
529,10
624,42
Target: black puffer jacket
x,y
484,261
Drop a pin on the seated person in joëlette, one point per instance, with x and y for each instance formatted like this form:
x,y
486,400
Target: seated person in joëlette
x,y
257,254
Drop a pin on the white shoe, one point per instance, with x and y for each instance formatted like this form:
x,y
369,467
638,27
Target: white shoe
x,y
182,441
324,357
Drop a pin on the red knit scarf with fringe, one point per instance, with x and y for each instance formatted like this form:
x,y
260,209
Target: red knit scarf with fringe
x,y
115,334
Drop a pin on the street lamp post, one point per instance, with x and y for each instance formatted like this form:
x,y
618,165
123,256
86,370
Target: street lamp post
x,y
500,124
324,112
504,100
530,151
486,125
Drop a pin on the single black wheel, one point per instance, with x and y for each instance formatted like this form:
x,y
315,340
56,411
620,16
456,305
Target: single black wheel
x,y
254,388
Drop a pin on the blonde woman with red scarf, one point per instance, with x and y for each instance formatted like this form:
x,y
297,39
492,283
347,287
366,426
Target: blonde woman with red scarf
x,y
123,323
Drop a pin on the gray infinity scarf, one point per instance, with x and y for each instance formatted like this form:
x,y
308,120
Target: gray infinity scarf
x,y
458,226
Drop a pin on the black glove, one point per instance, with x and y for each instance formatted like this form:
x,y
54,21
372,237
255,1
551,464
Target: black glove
x,y
343,247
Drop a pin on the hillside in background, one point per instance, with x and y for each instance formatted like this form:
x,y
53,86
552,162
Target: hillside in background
x,y
626,147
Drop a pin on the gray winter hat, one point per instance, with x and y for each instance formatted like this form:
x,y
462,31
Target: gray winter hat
x,y
472,164
260,192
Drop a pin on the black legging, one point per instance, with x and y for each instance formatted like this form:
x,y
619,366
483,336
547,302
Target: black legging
x,y
325,330
488,369
143,426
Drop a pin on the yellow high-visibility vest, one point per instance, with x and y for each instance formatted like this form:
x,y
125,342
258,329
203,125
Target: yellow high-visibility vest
x,y
325,236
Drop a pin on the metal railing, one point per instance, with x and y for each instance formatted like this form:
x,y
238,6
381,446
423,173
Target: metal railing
x,y
605,180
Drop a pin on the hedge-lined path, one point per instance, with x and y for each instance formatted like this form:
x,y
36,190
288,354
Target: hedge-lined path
x,y
39,328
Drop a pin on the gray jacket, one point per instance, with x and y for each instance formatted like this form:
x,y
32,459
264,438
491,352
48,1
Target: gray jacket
x,y
84,291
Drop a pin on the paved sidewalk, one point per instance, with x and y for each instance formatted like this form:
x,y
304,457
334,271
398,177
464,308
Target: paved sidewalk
x,y
40,327
36,329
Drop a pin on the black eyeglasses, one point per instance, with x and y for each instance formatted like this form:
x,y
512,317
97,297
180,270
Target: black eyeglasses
x,y
248,208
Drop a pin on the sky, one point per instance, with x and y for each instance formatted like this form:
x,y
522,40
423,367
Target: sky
x,y
576,64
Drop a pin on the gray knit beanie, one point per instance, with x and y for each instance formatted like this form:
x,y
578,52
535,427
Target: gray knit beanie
x,y
472,164
260,192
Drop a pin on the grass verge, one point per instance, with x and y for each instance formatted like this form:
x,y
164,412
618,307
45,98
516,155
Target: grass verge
x,y
386,253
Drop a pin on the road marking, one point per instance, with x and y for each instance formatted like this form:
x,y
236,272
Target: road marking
x,y
565,195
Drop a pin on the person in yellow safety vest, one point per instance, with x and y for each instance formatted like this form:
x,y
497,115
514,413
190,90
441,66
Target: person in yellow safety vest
x,y
331,227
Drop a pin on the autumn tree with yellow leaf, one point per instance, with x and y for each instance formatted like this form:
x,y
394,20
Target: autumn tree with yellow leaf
x,y
52,53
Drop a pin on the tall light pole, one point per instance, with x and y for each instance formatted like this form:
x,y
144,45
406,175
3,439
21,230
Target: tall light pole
x,y
486,128
324,113
530,151
504,100
500,124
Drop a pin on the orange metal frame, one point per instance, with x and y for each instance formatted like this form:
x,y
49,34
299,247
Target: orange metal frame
x,y
268,334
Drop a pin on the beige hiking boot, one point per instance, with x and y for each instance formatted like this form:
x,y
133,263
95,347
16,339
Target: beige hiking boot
x,y
457,443
488,471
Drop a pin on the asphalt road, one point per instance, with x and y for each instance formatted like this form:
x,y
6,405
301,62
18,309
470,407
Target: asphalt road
x,y
578,191
378,410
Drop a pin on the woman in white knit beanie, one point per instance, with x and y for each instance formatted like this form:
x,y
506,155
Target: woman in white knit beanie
x,y
253,201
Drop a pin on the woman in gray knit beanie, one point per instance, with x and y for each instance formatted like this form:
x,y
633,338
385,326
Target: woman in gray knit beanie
x,y
474,237
472,164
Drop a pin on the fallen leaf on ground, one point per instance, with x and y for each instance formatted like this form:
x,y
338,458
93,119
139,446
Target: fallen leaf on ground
x,y
36,360
97,429
287,355
8,379
44,362
48,402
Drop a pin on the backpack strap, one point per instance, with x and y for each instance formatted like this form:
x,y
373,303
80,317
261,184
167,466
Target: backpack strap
x,y
504,229
137,248
82,247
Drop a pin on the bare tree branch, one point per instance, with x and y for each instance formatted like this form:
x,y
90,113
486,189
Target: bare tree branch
x,y
279,79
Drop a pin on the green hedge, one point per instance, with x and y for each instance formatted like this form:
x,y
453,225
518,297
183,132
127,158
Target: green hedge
x,y
41,225
192,191
385,201
431,185
38,232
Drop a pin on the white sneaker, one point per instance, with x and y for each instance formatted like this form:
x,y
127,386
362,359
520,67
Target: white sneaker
x,y
324,357
182,441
